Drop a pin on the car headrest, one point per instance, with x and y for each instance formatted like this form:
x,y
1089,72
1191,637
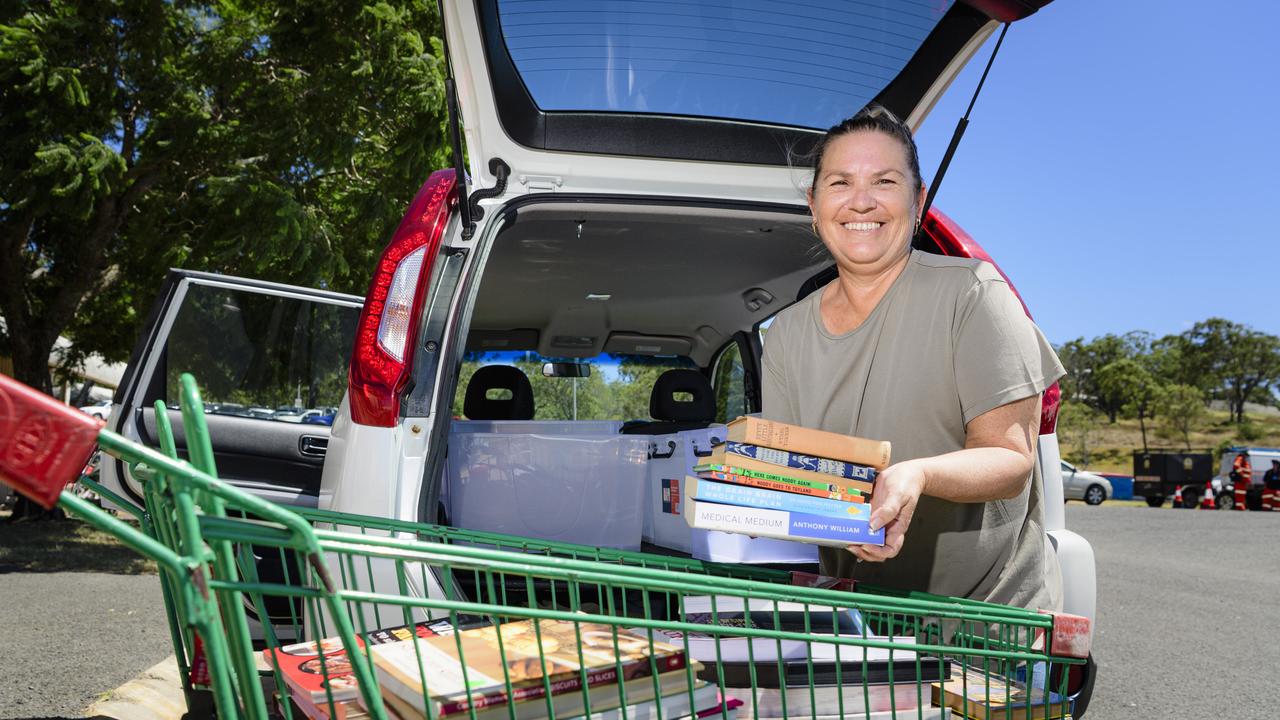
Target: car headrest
x,y
663,404
478,405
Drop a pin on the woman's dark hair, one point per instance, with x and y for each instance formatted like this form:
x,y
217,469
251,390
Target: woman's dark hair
x,y
873,118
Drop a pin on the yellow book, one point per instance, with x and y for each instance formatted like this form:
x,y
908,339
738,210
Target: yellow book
x,y
977,696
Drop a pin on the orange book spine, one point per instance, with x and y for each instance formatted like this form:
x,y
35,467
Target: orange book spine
x,y
820,443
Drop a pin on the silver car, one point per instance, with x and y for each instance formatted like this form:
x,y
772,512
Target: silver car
x,y
1084,485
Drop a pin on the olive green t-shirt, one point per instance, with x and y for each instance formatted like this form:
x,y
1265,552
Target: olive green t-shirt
x,y
948,342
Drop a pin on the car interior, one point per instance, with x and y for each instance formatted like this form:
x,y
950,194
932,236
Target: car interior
x,y
589,282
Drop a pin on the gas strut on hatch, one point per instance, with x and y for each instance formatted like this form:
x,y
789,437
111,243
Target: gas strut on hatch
x,y
955,139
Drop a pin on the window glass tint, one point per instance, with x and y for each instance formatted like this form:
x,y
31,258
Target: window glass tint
x,y
261,356
730,385
806,64
618,387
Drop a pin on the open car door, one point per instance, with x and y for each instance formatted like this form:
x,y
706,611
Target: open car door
x,y
271,362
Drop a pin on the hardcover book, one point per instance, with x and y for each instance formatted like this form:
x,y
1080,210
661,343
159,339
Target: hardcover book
x,y
818,622
781,524
606,701
517,653
800,461
724,473
819,443
731,494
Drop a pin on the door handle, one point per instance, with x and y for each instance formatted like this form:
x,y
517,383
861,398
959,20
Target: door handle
x,y
313,445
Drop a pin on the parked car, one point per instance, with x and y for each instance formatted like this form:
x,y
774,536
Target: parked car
x,y
643,206
100,409
1084,485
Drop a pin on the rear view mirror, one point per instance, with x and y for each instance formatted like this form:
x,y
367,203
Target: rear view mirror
x,y
565,369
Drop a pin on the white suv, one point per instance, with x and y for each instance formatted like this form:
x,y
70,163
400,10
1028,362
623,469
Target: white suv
x,y
634,199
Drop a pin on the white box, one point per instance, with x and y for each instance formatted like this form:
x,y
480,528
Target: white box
x,y
672,458
586,489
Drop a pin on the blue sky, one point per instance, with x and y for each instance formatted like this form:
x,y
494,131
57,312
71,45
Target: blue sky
x,y
1121,164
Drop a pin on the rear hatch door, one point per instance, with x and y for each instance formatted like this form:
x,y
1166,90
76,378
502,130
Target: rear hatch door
x,y
685,98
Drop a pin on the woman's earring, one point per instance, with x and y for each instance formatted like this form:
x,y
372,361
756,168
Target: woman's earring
x,y
814,224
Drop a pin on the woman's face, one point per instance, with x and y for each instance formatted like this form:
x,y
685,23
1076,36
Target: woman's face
x,y
864,201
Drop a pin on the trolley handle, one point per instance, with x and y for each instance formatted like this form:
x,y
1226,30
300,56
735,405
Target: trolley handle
x,y
43,443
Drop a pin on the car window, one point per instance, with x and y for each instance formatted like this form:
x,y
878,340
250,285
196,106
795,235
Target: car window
x,y
730,385
757,60
1067,468
618,387
261,356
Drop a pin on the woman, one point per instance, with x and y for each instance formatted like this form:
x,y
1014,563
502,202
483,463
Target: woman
x,y
934,354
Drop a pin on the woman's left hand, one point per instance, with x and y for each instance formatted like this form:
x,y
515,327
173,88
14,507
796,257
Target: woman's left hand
x,y
893,503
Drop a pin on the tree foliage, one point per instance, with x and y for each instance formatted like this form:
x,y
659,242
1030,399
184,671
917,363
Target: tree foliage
x,y
1181,411
1126,374
268,139
1085,360
1129,381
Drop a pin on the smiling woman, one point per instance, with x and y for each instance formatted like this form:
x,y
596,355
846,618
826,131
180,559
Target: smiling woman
x,y
933,354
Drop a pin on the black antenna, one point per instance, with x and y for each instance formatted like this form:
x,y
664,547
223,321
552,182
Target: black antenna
x,y
955,137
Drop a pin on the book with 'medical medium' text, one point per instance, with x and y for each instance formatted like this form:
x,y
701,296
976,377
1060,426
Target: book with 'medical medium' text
x,y
730,494
780,524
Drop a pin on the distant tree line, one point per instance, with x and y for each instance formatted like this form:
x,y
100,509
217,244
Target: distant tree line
x,y
1170,380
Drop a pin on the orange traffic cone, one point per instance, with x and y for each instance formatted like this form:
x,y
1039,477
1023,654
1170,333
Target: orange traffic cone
x,y
1208,502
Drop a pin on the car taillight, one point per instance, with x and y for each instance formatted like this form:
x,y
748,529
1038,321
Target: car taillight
x,y
954,241
382,357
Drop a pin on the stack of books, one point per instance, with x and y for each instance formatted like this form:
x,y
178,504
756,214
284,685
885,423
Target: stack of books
x,y
771,479
808,678
546,668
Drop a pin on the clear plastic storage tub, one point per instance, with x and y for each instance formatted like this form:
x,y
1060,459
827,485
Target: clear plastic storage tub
x,y
671,459
586,489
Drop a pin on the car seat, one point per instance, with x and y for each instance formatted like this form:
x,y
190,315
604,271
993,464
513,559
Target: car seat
x,y
672,415
477,405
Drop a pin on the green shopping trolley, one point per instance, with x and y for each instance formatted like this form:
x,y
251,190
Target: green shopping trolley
x,y
388,619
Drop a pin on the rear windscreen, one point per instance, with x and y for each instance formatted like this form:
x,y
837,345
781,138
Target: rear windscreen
x,y
801,64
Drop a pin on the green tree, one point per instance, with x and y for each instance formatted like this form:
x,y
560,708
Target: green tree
x,y
1181,410
1078,425
1083,362
1227,360
1130,382
273,139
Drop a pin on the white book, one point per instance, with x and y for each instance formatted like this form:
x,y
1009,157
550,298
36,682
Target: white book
x,y
874,702
674,706
931,713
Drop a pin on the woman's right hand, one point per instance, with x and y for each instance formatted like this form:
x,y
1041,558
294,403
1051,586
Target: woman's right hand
x,y
893,504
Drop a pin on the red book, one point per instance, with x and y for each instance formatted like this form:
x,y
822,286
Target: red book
x,y
301,667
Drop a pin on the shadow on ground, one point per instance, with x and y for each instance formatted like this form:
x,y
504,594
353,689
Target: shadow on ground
x,y
66,545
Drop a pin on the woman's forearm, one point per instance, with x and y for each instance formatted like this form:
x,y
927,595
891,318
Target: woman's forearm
x,y
976,474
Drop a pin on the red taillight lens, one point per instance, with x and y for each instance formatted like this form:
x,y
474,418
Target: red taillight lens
x,y
954,241
383,354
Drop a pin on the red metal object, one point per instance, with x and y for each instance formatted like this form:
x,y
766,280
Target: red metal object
x,y
43,443
377,379
955,242
1007,11
1072,636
